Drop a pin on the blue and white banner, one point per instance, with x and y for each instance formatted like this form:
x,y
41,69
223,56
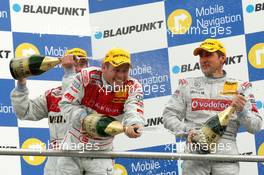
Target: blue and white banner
x,y
160,35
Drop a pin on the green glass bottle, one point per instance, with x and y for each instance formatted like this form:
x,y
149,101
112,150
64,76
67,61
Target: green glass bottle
x,y
214,127
99,125
32,65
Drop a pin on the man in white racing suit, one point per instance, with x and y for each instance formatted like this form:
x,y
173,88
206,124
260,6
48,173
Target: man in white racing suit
x,y
46,106
107,90
197,99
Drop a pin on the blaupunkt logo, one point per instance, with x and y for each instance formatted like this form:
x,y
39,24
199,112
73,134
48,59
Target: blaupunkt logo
x,y
179,21
256,56
230,60
154,121
129,30
26,49
255,7
5,53
49,10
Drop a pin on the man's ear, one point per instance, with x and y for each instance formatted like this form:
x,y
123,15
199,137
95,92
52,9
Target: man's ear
x,y
223,59
103,66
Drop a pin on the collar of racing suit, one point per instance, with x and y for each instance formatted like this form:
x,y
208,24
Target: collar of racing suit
x,y
106,85
212,80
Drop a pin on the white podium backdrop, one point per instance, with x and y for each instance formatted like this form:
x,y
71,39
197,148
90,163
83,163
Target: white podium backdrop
x,y
160,35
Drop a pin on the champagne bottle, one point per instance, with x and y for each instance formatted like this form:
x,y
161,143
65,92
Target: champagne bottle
x,y
32,65
214,127
99,125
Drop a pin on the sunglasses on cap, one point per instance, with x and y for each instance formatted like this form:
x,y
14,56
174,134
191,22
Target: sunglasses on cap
x,y
204,53
80,60
76,57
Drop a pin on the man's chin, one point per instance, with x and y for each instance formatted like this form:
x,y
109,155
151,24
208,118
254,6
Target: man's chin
x,y
207,74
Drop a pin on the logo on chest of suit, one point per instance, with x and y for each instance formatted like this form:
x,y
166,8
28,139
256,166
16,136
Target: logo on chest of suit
x,y
120,96
56,119
209,104
230,88
197,92
106,103
197,89
197,84
53,98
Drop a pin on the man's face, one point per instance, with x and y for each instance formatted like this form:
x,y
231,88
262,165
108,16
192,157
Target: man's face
x,y
80,63
115,75
211,63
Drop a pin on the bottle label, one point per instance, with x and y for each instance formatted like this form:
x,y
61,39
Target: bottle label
x,y
90,123
211,136
19,68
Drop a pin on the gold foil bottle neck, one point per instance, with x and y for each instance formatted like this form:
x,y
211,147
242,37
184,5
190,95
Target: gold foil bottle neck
x,y
49,62
114,128
226,115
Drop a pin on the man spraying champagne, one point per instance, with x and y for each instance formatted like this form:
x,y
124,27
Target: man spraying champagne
x,y
46,105
215,126
213,98
110,91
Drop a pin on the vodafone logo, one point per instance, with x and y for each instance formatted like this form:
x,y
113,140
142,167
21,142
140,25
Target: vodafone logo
x,y
209,104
